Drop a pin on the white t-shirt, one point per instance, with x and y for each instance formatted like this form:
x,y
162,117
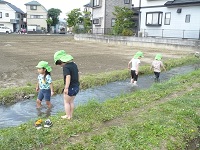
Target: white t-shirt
x,y
157,64
135,63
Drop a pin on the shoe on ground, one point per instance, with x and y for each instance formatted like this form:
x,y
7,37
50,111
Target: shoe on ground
x,y
38,124
48,123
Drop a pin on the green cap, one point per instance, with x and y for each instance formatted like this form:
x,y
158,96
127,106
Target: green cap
x,y
158,57
63,56
44,64
138,54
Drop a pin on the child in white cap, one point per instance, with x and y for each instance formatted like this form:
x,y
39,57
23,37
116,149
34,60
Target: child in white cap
x,y
71,81
135,62
156,66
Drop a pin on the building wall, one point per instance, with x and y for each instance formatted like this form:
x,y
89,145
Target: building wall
x,y
105,12
41,22
99,12
110,8
178,27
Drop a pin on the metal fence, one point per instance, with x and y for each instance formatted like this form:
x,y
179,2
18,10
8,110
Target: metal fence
x,y
169,33
96,31
163,33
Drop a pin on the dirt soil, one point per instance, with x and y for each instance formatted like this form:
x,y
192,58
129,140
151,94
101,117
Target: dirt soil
x,y
19,54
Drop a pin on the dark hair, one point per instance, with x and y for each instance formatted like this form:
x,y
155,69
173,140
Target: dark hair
x,y
46,73
59,62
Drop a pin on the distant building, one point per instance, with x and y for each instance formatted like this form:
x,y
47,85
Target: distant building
x,y
36,17
11,16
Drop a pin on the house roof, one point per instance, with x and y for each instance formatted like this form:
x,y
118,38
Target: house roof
x,y
87,5
35,3
18,10
182,2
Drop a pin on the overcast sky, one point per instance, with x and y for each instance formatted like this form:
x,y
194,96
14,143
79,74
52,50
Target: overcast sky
x,y
64,5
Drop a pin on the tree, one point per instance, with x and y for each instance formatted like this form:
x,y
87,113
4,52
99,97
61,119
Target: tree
x,y
74,18
54,13
87,21
124,21
49,24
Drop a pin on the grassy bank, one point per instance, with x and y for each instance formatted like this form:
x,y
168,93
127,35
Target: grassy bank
x,y
12,95
165,116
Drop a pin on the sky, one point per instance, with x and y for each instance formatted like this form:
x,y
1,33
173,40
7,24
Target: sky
x,y
64,5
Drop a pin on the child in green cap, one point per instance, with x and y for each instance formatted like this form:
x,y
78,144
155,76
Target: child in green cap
x,y
71,81
135,62
156,66
44,86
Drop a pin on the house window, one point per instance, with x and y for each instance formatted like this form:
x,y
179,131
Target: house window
x,y
167,18
96,3
18,15
0,14
113,22
33,7
7,14
127,1
96,21
154,18
187,19
36,16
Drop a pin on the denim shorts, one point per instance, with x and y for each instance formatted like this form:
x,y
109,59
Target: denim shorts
x,y
73,91
44,94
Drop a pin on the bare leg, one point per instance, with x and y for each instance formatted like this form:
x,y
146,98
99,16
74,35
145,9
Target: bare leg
x,y
132,80
48,104
38,102
69,106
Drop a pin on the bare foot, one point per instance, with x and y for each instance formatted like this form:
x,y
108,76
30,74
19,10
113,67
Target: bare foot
x,y
65,117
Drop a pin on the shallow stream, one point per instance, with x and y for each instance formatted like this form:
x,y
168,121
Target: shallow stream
x,y
24,111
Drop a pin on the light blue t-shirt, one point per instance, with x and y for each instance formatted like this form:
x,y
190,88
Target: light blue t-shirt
x,y
44,84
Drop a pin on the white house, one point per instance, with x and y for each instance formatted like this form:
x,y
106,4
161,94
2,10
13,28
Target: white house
x,y
11,16
173,18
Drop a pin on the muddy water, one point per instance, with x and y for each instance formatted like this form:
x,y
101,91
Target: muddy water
x,y
24,111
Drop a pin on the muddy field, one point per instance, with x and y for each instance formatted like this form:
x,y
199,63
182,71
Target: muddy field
x,y
19,54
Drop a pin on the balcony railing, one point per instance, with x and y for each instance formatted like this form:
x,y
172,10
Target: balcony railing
x,y
14,21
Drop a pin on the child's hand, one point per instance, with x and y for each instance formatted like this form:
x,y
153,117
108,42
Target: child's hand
x,y
52,93
37,89
66,91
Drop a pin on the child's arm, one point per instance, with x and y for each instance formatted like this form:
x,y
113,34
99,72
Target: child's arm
x,y
51,87
163,66
151,67
68,78
137,69
129,64
37,87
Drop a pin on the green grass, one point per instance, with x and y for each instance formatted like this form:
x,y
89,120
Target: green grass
x,y
11,95
169,125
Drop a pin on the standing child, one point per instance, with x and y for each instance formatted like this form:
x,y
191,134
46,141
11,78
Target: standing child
x,y
44,85
156,66
135,61
71,80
